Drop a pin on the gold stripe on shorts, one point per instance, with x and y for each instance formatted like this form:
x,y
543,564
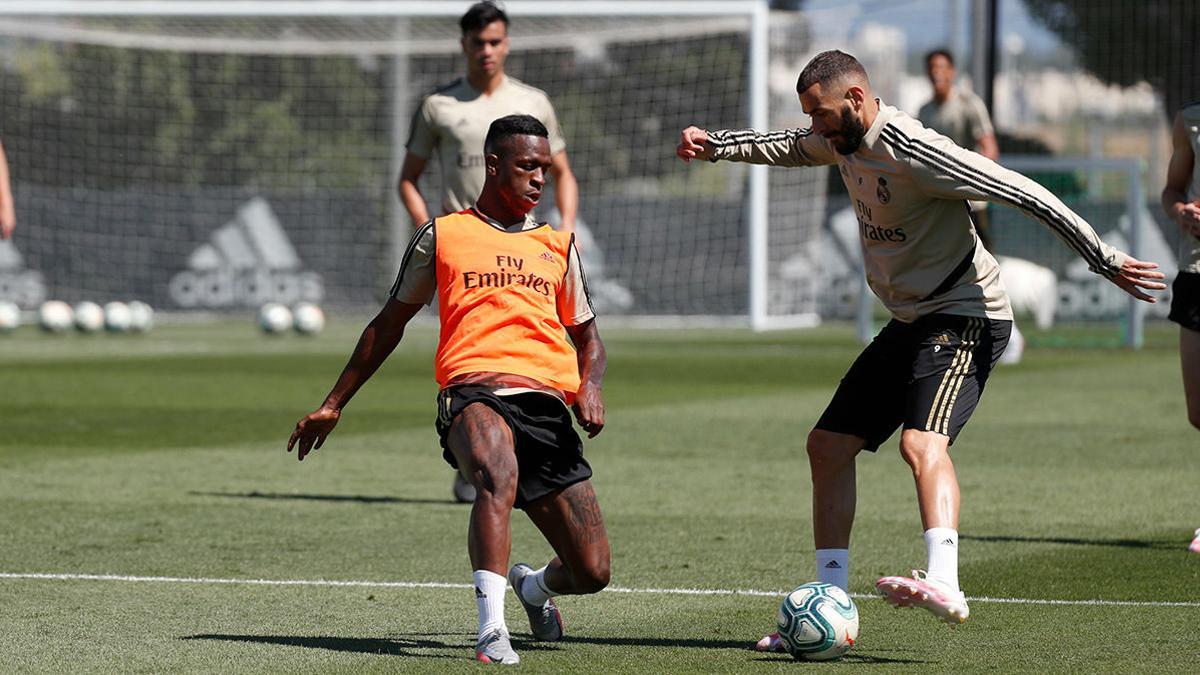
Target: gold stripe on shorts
x,y
947,393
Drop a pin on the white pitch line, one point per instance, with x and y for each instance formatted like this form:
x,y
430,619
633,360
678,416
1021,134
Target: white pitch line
x,y
612,589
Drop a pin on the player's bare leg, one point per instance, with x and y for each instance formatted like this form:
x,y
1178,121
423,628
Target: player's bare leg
x,y
927,453
831,461
570,520
1189,357
482,444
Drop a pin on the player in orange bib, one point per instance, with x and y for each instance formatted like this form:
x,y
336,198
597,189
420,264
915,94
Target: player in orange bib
x,y
518,345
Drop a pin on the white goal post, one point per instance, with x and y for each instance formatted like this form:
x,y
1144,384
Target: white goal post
x,y
20,19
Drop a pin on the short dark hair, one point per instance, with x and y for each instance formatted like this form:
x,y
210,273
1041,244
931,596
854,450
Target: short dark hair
x,y
513,125
827,67
939,52
480,15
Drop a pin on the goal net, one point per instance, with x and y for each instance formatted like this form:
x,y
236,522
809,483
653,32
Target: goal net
x,y
1057,301
211,156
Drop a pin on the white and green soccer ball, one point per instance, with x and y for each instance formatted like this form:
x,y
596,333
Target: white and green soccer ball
x,y
55,316
141,317
274,318
117,317
10,316
89,317
309,318
818,622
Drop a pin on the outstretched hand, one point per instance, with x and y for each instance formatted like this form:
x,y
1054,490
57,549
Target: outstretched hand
x,y
1136,275
312,429
693,144
589,409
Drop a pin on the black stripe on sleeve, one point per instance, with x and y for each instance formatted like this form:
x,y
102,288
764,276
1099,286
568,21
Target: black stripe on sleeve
x,y
573,252
989,185
725,139
412,246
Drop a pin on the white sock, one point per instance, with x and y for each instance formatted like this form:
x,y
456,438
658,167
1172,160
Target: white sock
x,y
534,588
833,567
941,543
489,596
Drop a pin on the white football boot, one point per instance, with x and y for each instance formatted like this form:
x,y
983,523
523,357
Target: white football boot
x,y
495,647
1195,547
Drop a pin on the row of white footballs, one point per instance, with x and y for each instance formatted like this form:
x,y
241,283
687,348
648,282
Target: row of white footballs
x,y
305,317
56,316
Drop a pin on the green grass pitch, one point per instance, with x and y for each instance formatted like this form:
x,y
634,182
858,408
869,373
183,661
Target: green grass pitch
x,y
162,456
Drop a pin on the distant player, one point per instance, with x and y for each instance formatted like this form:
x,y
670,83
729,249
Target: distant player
x,y
454,119
958,114
1181,200
510,291
8,214
926,369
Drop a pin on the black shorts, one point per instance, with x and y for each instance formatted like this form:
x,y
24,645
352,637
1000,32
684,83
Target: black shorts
x,y
927,375
1185,300
549,451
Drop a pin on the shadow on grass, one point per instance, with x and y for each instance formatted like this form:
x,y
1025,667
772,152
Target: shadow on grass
x,y
862,659
357,499
405,645
390,647
697,643
1074,541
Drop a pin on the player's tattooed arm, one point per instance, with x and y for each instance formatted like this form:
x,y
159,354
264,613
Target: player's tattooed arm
x,y
375,344
593,361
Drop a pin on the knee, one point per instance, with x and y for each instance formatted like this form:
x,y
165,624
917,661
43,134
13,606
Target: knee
x,y
825,452
594,577
921,449
495,480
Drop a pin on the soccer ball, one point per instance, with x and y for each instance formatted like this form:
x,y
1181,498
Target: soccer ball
x,y
10,317
55,316
818,622
141,317
89,317
309,318
117,317
274,318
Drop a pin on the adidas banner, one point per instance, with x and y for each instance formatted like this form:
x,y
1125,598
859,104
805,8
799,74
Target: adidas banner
x,y
195,250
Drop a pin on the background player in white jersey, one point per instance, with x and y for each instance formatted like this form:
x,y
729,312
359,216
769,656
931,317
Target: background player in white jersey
x,y
1181,200
958,114
951,318
454,120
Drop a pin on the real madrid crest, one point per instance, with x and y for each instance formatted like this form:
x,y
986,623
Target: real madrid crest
x,y
882,191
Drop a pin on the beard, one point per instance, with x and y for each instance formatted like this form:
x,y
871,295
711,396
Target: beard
x,y
852,132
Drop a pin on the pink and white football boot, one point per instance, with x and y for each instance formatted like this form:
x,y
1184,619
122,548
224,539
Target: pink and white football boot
x,y
1195,547
769,643
918,591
